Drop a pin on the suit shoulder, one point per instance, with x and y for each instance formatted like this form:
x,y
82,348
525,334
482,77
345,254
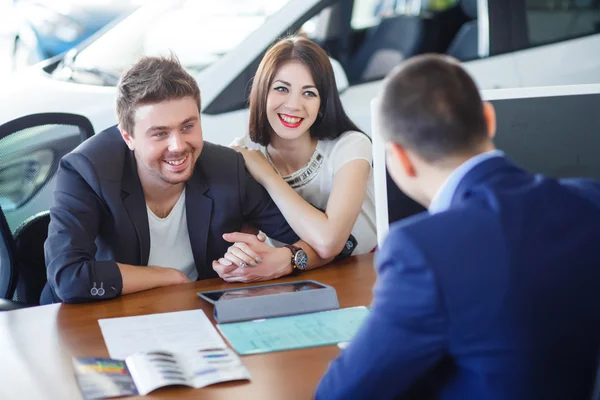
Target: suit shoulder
x,y
218,160
424,222
430,232
105,153
214,153
584,187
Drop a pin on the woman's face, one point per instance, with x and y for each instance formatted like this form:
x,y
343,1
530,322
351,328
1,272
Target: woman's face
x,y
293,101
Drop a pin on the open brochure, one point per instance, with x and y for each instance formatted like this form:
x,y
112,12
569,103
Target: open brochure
x,y
142,373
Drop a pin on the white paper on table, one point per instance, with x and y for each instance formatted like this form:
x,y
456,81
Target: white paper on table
x,y
178,332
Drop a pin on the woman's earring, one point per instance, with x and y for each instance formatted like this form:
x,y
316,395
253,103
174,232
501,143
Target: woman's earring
x,y
320,114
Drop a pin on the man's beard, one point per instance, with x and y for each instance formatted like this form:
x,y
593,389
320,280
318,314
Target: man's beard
x,y
172,182
175,182
192,166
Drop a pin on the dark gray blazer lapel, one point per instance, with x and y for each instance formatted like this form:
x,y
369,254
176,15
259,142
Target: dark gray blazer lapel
x,y
133,199
198,211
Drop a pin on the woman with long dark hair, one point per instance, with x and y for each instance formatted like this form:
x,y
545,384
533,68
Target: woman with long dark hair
x,y
311,158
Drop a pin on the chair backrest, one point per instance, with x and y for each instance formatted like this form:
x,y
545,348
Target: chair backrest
x,y
392,41
30,149
465,45
29,246
8,271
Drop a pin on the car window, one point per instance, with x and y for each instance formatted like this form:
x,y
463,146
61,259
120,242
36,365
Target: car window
x,y
235,96
368,13
440,5
30,159
551,21
369,38
198,32
386,32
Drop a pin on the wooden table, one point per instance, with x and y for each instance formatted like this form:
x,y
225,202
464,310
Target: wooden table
x,y
37,344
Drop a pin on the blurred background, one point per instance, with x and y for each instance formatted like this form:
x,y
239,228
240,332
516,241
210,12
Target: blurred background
x,y
66,56
5,37
34,30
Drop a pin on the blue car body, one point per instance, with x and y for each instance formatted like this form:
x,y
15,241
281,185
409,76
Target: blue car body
x,y
76,19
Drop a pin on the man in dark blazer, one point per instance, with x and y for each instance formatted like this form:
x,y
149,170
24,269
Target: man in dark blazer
x,y
493,292
150,204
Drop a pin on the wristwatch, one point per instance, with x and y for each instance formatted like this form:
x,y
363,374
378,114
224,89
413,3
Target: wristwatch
x,y
299,258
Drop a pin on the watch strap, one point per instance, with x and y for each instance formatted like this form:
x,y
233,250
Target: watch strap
x,y
294,250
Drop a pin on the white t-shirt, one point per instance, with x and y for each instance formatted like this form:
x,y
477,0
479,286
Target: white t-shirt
x,y
170,241
315,181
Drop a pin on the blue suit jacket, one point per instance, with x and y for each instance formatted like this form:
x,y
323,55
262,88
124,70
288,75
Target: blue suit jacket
x,y
502,290
99,216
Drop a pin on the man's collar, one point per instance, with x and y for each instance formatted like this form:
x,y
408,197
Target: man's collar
x,y
443,197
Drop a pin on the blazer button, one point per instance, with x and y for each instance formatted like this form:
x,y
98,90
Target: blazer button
x,y
98,291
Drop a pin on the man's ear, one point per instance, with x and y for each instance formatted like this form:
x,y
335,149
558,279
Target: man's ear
x,y
401,158
489,113
127,138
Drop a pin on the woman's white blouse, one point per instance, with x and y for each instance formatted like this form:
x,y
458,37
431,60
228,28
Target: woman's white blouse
x,y
315,181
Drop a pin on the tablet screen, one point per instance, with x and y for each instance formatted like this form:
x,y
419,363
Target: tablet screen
x,y
262,290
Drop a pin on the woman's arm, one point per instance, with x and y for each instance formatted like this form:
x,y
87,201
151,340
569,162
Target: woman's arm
x,y
325,232
275,262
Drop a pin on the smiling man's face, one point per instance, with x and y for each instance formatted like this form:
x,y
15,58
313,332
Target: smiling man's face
x,y
167,141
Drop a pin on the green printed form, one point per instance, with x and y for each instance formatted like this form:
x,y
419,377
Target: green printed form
x,y
295,331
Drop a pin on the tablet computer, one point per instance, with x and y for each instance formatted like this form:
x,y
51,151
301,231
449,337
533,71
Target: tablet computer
x,y
262,290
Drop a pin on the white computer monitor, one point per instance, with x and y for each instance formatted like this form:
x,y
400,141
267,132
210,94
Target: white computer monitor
x,y
551,130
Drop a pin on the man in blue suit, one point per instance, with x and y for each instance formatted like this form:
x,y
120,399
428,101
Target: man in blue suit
x,y
493,292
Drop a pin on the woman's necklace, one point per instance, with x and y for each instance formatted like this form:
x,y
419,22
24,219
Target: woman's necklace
x,y
304,174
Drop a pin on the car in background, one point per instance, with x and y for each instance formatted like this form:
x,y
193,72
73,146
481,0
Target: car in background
x,y
503,43
46,28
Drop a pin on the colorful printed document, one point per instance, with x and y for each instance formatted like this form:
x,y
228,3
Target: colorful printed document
x,y
101,378
143,373
294,332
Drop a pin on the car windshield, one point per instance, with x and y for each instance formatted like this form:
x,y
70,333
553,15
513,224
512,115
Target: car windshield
x,y
198,32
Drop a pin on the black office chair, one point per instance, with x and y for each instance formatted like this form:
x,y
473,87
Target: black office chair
x,y
29,246
30,149
22,262
8,267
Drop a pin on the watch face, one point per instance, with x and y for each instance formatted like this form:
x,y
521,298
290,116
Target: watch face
x,y
301,259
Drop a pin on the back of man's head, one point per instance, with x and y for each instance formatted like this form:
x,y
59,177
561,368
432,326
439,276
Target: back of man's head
x,y
152,80
431,106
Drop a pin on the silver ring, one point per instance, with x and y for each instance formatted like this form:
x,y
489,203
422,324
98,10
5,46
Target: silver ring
x,y
243,265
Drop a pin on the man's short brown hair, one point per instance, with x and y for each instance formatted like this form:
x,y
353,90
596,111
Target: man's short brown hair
x,y
149,81
432,106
